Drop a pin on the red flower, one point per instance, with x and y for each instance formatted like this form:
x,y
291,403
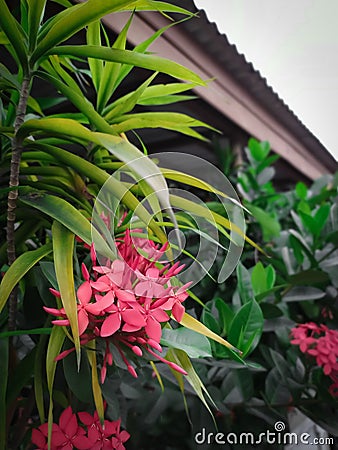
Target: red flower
x,y
321,343
66,436
70,435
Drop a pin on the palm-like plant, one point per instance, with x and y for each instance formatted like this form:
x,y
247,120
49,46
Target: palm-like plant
x,y
48,186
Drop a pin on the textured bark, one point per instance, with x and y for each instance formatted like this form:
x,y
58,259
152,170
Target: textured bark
x,y
17,146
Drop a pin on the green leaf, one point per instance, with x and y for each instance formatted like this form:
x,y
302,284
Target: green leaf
x,y
259,150
73,19
157,94
275,391
321,216
297,249
95,65
18,269
69,216
247,326
309,278
130,102
111,70
167,120
5,74
309,223
194,344
270,276
244,283
258,279
146,61
166,100
14,33
78,379
302,293
193,324
181,358
270,225
138,163
101,177
55,343
39,371
226,314
35,13
187,205
304,246
63,247
301,190
97,393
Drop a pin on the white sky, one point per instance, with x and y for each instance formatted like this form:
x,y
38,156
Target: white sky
x,y
294,45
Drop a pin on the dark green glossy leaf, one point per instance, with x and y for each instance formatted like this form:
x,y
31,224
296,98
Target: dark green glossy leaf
x,y
309,277
248,322
78,380
194,344
244,283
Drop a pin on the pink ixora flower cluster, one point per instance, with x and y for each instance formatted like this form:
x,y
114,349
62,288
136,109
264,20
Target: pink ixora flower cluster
x,y
124,302
321,343
81,431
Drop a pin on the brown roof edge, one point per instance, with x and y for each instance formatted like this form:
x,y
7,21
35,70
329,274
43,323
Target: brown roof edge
x,y
238,91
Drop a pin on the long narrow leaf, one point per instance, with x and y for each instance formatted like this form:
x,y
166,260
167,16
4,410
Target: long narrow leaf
x,y
181,358
18,270
193,324
14,33
69,22
130,100
146,61
168,120
70,217
121,148
97,393
95,65
35,12
55,343
63,247
111,70
100,177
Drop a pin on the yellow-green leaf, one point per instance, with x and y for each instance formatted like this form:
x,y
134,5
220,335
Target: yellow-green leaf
x,y
55,343
63,246
193,324
18,269
180,358
97,393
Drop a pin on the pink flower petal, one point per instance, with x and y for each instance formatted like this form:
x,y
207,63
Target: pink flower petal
x,y
68,422
111,324
86,418
84,293
124,296
153,329
83,321
38,438
101,304
82,442
133,317
160,315
178,311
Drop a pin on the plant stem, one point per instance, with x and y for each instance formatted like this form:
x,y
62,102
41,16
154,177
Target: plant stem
x,y
17,147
